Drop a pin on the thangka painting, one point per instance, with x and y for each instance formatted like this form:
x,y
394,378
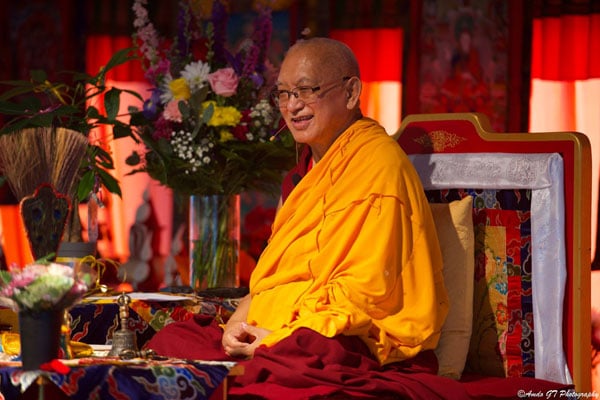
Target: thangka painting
x,y
464,58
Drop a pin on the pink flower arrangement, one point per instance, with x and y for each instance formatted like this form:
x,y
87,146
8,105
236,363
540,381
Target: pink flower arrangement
x,y
207,124
38,287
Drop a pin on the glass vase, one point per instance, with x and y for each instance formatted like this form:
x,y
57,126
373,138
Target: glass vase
x,y
214,241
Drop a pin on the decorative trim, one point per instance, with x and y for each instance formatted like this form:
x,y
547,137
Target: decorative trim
x,y
439,140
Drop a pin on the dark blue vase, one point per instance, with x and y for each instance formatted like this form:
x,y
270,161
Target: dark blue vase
x,y
40,337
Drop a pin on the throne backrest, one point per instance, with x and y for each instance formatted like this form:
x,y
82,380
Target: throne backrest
x,y
531,215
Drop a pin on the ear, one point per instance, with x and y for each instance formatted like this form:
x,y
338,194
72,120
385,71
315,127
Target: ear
x,y
353,89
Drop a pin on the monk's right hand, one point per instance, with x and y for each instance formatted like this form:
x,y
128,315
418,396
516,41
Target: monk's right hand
x,y
236,340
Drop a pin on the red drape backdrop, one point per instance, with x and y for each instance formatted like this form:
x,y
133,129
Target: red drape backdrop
x,y
565,86
379,54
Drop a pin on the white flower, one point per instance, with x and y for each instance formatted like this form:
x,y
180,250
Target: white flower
x,y
166,95
195,74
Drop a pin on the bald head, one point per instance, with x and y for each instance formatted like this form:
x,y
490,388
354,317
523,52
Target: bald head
x,y
320,83
334,57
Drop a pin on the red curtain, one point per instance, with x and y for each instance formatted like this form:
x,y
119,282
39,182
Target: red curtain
x,y
379,51
566,48
379,55
100,48
565,86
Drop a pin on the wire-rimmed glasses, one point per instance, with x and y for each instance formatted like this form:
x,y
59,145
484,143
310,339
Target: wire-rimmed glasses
x,y
306,94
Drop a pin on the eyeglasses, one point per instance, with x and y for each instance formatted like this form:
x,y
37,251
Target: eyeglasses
x,y
307,94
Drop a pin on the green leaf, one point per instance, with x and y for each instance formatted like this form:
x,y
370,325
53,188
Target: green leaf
x,y
17,91
86,185
103,158
208,113
5,276
40,120
184,109
38,75
133,159
109,182
138,119
121,130
118,58
92,112
66,110
112,101
10,108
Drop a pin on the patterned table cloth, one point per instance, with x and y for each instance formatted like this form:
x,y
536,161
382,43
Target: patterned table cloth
x,y
110,378
96,319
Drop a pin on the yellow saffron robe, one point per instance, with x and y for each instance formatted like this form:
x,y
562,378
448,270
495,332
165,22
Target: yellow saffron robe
x,y
354,251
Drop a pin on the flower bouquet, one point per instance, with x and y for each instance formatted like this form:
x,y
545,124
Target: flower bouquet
x,y
43,287
208,122
208,127
41,293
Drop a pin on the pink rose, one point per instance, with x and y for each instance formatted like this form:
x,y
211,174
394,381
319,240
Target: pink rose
x,y
223,82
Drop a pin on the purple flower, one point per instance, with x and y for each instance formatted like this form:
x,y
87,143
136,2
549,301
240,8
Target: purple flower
x,y
251,60
219,20
182,33
257,79
263,29
151,105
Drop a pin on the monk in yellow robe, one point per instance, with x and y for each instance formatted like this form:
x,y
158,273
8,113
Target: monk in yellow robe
x,y
353,249
348,296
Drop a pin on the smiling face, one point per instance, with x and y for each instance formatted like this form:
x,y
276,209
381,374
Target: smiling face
x,y
334,107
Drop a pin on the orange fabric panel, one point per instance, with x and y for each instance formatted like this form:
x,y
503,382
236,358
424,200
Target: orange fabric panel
x,y
14,239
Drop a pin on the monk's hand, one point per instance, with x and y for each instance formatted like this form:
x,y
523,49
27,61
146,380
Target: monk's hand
x,y
241,339
257,334
235,338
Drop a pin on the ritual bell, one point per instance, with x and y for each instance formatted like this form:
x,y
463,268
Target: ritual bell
x,y
123,339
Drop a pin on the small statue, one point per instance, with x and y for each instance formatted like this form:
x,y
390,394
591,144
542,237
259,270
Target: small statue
x,y
137,268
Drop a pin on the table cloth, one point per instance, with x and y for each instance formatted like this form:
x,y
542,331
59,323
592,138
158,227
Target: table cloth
x,y
109,377
95,319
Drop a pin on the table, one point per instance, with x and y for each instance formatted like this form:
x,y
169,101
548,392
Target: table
x,y
108,378
95,319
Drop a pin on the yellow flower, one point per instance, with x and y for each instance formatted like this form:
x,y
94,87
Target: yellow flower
x,y
225,136
180,89
223,116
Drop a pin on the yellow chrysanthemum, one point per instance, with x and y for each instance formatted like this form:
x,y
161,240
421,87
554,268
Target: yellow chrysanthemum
x,y
180,89
223,116
225,136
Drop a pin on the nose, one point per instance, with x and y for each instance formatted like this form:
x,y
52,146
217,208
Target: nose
x,y
294,102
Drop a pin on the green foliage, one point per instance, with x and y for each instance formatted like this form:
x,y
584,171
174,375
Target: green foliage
x,y
74,103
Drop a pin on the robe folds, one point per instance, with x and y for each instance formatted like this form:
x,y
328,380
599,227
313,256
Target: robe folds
x,y
354,251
